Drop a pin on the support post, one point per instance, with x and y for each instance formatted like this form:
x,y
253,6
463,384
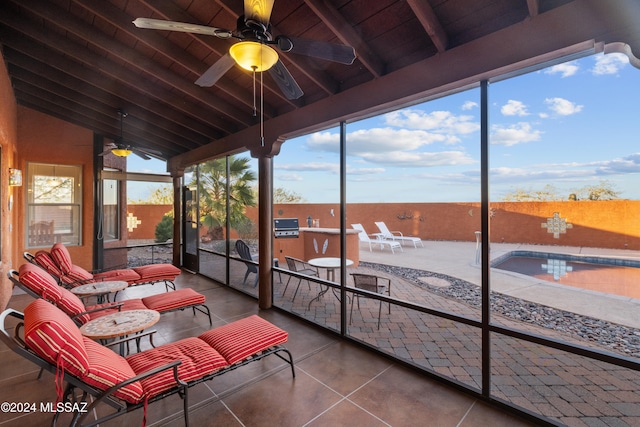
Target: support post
x,y
265,242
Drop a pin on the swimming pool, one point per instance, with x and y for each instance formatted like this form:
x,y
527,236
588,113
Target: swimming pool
x,y
608,275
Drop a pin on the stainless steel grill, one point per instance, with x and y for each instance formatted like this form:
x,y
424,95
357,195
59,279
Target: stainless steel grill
x,y
286,228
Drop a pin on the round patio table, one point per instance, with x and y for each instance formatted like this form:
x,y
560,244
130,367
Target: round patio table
x,y
119,324
99,289
330,264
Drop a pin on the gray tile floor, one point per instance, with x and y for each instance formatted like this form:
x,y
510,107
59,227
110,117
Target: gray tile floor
x,y
337,383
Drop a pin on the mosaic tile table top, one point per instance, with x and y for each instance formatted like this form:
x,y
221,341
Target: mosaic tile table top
x,y
119,324
99,288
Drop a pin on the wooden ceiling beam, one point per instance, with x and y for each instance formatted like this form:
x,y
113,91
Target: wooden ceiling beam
x,y
22,52
53,50
345,32
430,22
147,129
133,59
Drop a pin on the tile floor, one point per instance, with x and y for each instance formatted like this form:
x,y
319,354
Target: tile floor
x,y
337,383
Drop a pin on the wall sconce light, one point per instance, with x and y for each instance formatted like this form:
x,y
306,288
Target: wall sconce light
x,y
15,177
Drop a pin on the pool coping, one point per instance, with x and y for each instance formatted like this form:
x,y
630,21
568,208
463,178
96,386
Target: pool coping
x,y
567,257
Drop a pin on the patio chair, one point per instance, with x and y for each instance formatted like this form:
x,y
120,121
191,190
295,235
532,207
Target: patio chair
x,y
371,283
58,263
243,250
396,235
299,266
364,237
97,377
37,283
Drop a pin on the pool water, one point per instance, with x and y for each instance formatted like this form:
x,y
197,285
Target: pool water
x,y
597,275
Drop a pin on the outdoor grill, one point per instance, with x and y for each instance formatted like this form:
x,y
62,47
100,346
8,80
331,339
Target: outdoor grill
x,y
286,228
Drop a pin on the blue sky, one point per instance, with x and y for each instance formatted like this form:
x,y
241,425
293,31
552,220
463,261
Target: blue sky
x,y
570,125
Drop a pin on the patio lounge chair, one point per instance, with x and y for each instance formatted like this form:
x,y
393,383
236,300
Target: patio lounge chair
x,y
396,235
48,338
371,283
37,283
58,263
364,237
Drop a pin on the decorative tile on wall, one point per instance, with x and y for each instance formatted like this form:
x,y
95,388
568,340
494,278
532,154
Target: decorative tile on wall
x,y
556,225
132,222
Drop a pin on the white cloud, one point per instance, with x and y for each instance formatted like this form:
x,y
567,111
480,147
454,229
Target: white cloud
x,y
563,107
514,108
420,159
364,171
435,121
469,105
289,177
329,167
565,70
609,64
627,164
514,134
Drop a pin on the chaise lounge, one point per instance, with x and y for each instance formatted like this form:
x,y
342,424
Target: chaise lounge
x,y
396,235
47,337
37,283
58,263
364,237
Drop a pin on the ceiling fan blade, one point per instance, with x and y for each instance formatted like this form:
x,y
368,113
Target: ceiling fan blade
x,y
258,10
217,70
318,49
105,152
285,81
159,24
140,154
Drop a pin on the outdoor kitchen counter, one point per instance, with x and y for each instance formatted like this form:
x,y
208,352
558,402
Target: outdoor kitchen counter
x,y
317,242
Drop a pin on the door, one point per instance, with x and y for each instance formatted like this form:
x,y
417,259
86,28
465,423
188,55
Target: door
x,y
190,230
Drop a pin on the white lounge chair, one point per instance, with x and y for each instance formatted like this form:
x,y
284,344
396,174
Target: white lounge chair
x,y
364,237
396,235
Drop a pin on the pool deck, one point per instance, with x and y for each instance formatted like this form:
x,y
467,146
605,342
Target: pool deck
x,y
457,259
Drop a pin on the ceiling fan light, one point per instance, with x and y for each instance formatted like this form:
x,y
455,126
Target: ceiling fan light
x,y
253,56
121,152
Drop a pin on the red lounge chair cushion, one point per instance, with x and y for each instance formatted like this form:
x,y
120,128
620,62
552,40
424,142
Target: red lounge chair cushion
x,y
127,275
53,336
44,260
107,368
156,272
172,300
61,256
77,274
39,281
198,360
72,305
240,339
130,304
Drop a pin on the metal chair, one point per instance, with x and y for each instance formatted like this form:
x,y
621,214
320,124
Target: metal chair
x,y
371,283
245,254
299,266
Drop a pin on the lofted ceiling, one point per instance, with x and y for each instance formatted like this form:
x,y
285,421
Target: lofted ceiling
x,y
83,60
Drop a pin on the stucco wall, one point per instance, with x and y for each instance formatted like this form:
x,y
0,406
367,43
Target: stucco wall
x,y
45,139
603,224
8,141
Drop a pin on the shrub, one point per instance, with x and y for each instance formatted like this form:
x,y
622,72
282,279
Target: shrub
x,y
164,229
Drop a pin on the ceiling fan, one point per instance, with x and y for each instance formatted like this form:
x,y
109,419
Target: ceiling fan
x,y
254,52
122,148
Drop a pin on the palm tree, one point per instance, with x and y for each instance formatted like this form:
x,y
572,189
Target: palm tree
x,y
213,193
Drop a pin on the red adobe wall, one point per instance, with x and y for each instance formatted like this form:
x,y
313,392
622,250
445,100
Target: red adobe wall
x,y
604,224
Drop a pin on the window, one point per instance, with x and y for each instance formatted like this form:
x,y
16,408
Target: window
x,y
54,202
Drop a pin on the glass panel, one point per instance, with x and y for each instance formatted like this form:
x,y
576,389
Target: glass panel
x,y
565,197
54,204
307,189
413,191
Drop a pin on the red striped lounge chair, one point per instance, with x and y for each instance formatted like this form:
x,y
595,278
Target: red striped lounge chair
x,y
47,337
37,283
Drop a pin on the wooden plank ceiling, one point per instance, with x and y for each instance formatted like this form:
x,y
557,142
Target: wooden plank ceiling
x,y
83,60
